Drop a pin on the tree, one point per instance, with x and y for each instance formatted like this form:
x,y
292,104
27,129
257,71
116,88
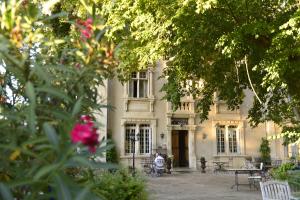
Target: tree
x,y
228,46
265,151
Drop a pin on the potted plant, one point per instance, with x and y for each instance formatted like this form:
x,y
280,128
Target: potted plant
x,y
203,164
169,164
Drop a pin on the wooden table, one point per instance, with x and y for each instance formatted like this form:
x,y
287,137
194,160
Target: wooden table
x,y
220,165
242,171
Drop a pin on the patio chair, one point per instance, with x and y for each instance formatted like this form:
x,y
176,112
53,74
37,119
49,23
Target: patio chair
x,y
255,179
272,190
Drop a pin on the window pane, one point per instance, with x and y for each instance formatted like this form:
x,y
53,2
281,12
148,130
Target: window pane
x,y
133,75
144,139
232,140
220,134
133,88
143,75
130,129
142,142
143,88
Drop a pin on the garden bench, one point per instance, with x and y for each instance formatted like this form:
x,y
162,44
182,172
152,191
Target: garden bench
x,y
278,190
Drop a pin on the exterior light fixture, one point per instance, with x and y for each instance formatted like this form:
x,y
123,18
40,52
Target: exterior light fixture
x,y
133,137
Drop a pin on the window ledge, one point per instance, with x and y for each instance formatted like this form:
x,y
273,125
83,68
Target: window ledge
x,y
139,99
230,155
136,156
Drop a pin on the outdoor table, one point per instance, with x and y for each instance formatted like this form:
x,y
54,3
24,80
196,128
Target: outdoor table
x,y
242,171
220,165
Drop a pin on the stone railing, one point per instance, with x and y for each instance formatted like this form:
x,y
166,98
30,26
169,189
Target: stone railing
x,y
184,107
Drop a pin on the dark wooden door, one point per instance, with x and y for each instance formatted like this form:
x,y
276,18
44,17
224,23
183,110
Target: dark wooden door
x,y
180,148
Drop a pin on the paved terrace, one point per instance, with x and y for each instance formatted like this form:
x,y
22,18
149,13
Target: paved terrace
x,y
197,186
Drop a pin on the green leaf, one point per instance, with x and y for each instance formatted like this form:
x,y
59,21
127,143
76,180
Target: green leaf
x,y
31,118
77,107
5,192
82,194
45,170
42,74
21,182
29,90
81,161
56,15
33,10
51,134
88,8
54,92
63,190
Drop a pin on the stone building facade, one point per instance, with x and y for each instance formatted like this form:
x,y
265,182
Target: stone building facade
x,y
138,108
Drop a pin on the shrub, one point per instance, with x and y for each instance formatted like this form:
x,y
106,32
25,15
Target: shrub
x,y
281,173
265,151
111,154
120,185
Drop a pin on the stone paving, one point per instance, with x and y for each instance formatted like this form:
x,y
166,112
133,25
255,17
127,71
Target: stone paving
x,y
197,186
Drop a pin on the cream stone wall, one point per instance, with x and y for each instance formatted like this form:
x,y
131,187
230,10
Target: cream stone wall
x,y
201,136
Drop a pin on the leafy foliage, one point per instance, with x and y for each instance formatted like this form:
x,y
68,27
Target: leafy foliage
x,y
112,154
281,173
265,151
120,185
50,74
215,46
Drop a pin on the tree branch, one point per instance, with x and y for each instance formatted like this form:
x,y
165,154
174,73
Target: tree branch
x,y
246,64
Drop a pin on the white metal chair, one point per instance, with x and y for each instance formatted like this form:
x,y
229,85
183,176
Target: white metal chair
x,y
256,178
276,190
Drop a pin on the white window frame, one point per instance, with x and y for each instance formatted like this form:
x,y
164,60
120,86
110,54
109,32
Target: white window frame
x,y
144,139
232,144
142,129
137,76
220,130
231,147
129,129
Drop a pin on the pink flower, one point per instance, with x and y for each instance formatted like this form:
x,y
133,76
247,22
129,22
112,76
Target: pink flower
x,y
86,33
89,21
85,133
85,28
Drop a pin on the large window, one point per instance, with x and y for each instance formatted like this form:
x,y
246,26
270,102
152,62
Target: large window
x,y
232,140
144,139
221,139
130,129
143,136
227,139
138,85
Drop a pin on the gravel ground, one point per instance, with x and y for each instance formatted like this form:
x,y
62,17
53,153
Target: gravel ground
x,y
197,186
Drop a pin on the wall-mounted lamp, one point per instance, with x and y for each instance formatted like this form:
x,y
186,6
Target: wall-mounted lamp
x,y
204,136
162,135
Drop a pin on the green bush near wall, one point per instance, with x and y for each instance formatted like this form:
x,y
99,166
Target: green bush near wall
x,y
111,154
265,151
281,173
120,185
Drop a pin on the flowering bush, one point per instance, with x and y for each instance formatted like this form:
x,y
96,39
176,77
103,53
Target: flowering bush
x,y
50,70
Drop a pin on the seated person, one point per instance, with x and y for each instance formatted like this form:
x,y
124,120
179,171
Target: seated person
x,y
159,163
